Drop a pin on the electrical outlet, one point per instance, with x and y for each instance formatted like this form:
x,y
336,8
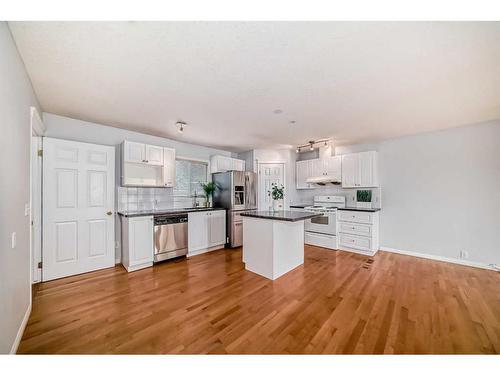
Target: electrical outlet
x,y
26,209
14,240
464,254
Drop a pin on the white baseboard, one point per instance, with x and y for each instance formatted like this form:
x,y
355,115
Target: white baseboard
x,y
439,258
203,251
22,327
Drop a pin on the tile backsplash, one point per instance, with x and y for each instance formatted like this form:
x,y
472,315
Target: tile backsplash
x,y
138,199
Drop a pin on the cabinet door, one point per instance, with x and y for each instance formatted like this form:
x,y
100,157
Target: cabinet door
x,y
168,167
217,227
350,170
141,240
333,167
197,231
318,167
134,152
303,171
238,165
368,169
154,155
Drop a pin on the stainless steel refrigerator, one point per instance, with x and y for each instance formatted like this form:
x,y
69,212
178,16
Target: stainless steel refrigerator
x,y
237,193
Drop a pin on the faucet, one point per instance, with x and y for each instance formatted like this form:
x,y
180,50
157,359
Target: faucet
x,y
195,200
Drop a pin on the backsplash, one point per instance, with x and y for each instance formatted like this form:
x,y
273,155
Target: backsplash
x,y
139,199
307,196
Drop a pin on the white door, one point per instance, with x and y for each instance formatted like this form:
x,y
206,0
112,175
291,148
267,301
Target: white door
x,y
154,155
134,152
78,200
217,225
269,173
36,208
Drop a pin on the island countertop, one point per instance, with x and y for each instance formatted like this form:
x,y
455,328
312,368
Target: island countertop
x,y
281,215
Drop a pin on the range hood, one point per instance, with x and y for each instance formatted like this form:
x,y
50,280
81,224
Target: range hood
x,y
323,180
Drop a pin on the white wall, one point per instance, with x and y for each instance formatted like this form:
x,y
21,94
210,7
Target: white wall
x,y
16,97
441,192
83,131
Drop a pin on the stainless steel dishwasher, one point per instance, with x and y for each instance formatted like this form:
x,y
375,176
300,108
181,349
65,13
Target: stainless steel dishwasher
x,y
170,236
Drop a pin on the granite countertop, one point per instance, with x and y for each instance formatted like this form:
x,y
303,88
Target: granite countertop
x,y
281,215
167,211
301,205
359,209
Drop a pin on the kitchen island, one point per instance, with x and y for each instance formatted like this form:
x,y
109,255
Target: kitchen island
x,y
273,241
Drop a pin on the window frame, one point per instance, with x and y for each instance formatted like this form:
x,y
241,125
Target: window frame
x,y
194,160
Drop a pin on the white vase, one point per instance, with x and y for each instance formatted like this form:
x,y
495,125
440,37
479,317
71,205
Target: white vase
x,y
278,205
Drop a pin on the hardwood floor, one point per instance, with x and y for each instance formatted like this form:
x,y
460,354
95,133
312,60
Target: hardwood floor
x,y
337,302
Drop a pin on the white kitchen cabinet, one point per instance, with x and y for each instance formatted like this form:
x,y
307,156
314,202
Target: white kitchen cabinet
x,y
360,170
169,167
137,242
333,167
154,155
219,163
206,231
358,231
134,152
303,172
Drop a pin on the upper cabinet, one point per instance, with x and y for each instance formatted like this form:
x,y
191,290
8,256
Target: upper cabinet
x,y
169,167
219,163
330,168
147,165
304,170
360,170
134,152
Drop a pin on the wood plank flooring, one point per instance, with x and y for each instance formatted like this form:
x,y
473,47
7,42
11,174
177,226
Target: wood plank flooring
x,y
337,302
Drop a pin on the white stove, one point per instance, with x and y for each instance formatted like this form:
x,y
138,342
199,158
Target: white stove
x,y
322,231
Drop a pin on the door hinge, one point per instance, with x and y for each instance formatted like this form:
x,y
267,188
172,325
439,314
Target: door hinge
x,y
40,153
40,265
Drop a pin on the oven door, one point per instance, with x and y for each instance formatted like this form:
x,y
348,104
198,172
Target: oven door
x,y
325,224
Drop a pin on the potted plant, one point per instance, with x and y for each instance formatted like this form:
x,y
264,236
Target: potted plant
x,y
208,189
277,193
364,198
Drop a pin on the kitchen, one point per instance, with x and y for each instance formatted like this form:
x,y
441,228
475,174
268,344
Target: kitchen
x,y
187,199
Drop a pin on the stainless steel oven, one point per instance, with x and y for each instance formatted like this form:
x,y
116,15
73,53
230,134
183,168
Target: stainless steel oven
x,y
170,236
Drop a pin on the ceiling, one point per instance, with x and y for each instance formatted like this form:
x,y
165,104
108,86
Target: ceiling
x,y
351,81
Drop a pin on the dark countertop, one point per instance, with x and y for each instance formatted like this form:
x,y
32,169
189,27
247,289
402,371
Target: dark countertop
x,y
281,215
166,211
359,209
301,205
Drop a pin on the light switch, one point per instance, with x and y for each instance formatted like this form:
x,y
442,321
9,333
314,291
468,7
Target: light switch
x,y
14,240
26,209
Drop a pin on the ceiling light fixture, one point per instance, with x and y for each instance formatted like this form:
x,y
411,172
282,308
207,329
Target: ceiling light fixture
x,y
293,122
278,111
180,126
312,144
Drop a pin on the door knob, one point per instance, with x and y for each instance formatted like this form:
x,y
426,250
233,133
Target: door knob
x,y
109,213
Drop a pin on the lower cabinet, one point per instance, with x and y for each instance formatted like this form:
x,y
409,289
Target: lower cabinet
x,y
358,231
137,242
206,231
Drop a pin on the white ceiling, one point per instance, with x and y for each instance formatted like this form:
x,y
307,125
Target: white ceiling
x,y
352,81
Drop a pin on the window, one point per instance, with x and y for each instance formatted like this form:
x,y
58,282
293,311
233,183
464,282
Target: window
x,y
188,176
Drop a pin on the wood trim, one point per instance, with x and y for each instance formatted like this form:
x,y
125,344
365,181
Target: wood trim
x,y
439,258
22,327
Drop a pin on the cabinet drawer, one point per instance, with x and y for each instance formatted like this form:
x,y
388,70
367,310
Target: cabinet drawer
x,y
355,228
356,216
361,243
